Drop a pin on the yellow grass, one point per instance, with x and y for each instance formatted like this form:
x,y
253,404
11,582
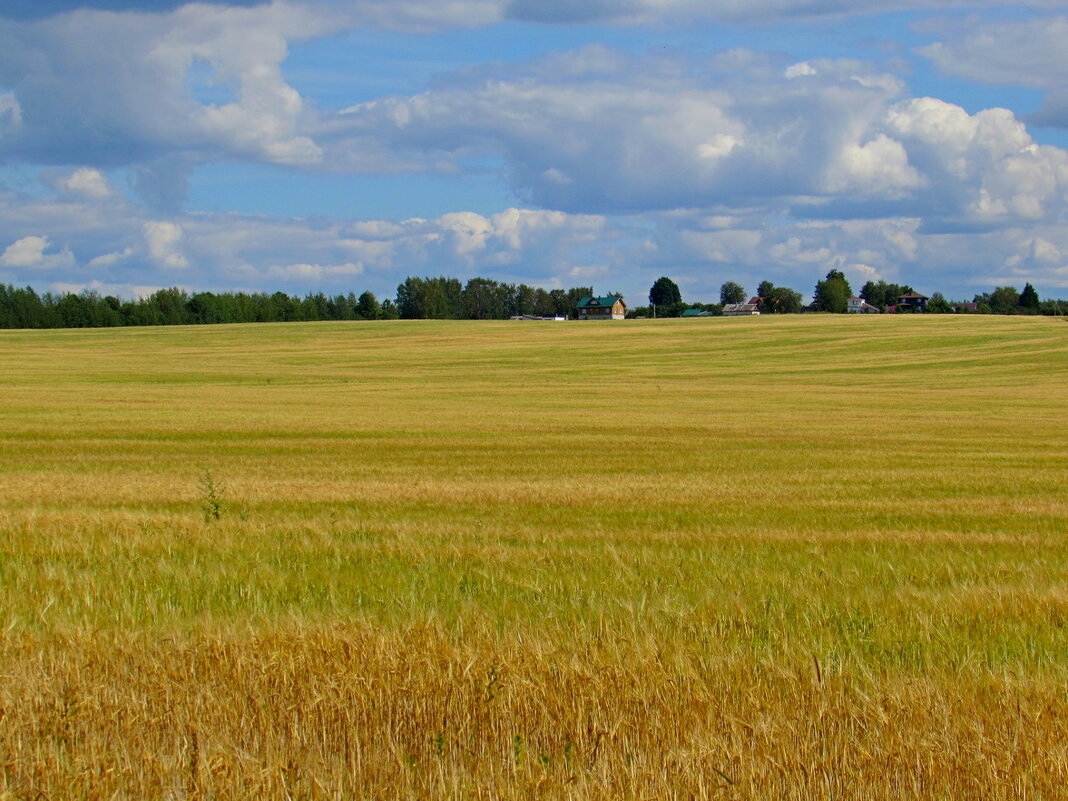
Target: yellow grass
x,y
755,558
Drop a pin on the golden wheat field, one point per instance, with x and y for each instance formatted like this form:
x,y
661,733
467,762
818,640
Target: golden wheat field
x,y
793,558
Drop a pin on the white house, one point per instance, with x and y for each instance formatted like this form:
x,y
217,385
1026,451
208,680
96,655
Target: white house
x,y
861,306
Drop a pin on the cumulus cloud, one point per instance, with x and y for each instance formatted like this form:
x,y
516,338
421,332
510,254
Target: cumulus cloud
x,y
126,247
56,66
30,252
111,259
700,248
986,167
85,182
163,241
528,243
314,273
596,131
1024,53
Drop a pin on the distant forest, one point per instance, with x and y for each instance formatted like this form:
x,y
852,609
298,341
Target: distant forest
x,y
417,299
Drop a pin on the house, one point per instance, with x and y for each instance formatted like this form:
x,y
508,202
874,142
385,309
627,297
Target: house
x,y
966,308
913,301
610,308
697,313
860,306
740,309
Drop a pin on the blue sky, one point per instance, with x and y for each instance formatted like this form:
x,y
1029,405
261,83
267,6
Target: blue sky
x,y
341,145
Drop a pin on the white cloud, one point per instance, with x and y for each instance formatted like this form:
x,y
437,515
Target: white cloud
x,y
1026,52
30,252
799,70
596,131
986,164
26,252
111,259
700,248
315,273
57,65
163,241
878,167
87,183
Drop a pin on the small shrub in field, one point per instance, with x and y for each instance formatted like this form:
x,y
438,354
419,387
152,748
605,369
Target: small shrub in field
x,y
211,491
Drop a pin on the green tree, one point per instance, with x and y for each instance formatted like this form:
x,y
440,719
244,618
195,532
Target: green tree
x,y
833,293
938,304
664,292
765,289
782,300
485,299
368,307
1004,300
882,294
1029,301
731,292
430,299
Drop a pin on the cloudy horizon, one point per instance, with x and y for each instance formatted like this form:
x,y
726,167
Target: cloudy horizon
x,y
342,145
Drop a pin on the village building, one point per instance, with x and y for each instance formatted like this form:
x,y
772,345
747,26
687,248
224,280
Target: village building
x,y
913,301
610,308
740,309
860,306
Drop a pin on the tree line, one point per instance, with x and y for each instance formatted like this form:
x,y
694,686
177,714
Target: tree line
x,y
832,295
665,300
483,299
833,292
450,299
417,298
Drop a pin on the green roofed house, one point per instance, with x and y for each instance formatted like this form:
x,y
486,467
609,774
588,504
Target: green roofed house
x,y
610,308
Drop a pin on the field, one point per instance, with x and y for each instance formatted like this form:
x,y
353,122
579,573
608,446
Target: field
x,y
797,558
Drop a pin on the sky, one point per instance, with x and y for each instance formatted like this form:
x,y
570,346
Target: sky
x,y
341,145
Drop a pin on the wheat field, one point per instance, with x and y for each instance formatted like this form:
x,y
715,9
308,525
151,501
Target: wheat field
x,y
770,558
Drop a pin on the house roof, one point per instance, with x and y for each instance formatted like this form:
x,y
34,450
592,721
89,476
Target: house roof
x,y
913,296
696,313
610,301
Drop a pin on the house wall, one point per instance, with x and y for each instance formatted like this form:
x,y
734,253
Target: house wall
x,y
616,312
